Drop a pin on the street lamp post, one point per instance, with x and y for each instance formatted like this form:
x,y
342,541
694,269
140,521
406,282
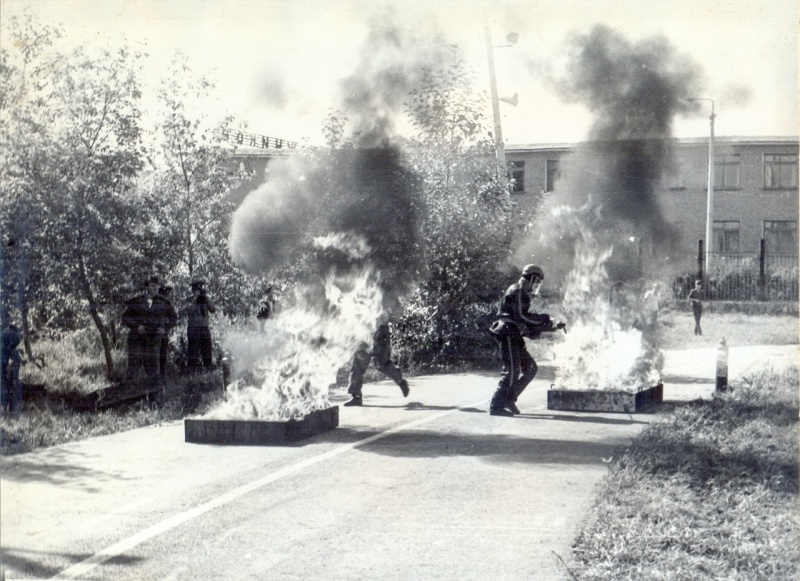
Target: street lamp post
x,y
500,151
709,242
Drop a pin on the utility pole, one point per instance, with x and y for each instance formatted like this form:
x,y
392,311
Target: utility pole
x,y
710,201
709,240
500,151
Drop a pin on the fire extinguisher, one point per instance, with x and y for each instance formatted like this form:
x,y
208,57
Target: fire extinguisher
x,y
722,366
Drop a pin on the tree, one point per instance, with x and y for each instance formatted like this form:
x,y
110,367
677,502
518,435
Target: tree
x,y
189,190
77,153
20,138
468,225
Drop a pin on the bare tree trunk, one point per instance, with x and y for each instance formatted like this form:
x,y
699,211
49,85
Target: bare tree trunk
x,y
26,325
95,314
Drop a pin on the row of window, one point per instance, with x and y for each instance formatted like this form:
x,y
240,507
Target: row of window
x,y
780,171
779,236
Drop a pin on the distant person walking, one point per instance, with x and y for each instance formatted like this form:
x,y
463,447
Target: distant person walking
x,y
149,317
696,298
381,356
198,332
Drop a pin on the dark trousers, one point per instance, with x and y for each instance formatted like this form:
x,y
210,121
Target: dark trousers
x,y
143,356
10,384
519,369
360,363
698,312
199,347
163,350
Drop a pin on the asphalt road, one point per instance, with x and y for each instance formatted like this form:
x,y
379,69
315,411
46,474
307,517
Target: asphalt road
x,y
429,487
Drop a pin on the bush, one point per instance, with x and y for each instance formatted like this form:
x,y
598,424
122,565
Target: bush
x,y
426,340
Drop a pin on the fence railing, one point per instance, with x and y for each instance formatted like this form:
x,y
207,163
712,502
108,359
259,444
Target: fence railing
x,y
755,276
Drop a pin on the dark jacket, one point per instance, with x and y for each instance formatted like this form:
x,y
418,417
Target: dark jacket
x,y
696,298
513,311
153,317
197,312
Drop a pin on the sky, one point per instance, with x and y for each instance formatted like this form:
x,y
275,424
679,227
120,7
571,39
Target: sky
x,y
278,64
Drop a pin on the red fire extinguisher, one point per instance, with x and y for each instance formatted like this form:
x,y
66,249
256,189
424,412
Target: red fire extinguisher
x,y
722,366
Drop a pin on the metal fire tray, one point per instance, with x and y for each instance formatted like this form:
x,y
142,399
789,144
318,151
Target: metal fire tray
x,y
260,432
592,400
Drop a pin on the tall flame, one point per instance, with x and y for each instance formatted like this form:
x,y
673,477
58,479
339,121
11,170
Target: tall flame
x,y
612,342
284,372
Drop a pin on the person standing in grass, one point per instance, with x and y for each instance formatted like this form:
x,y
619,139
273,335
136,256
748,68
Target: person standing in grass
x,y
696,298
148,316
198,332
10,384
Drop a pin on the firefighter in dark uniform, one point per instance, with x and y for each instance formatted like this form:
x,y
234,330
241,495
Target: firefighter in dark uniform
x,y
381,356
514,322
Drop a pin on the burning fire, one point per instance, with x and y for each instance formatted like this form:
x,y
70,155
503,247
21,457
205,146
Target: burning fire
x,y
611,343
284,372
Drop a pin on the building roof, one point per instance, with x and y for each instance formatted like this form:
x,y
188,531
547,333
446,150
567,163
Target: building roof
x,y
784,140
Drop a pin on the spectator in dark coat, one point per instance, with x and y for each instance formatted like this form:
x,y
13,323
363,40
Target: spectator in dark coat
x,y
198,332
10,363
149,317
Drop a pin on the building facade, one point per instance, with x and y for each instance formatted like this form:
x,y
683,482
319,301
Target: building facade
x,y
755,190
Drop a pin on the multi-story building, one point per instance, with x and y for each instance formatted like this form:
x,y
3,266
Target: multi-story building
x,y
755,189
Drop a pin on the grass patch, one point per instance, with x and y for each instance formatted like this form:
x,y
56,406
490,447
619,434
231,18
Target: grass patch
x,y
72,364
677,330
709,492
51,422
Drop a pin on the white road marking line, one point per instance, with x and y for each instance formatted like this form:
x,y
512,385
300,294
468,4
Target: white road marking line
x,y
159,528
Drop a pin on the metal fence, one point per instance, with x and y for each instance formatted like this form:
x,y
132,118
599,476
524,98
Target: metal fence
x,y
756,276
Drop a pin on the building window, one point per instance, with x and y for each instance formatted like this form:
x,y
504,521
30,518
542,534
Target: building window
x,y
780,171
726,171
780,236
552,175
726,236
516,173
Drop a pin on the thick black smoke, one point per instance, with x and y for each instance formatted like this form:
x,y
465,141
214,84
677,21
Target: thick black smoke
x,y
318,207
392,64
364,194
634,91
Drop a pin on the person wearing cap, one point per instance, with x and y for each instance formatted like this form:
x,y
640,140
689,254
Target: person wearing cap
x,y
513,323
381,356
149,317
198,333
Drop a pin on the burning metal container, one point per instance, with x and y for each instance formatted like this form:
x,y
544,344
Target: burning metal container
x,y
260,432
596,400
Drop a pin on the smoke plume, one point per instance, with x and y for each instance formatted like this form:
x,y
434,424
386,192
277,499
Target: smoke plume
x,y
346,222
634,91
